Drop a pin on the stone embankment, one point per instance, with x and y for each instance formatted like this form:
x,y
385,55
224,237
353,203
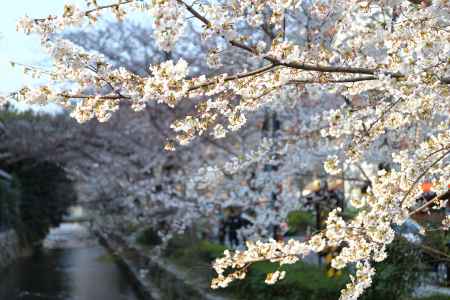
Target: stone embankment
x,y
10,248
153,278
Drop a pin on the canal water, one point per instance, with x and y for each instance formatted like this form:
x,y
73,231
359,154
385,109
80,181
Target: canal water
x,y
71,266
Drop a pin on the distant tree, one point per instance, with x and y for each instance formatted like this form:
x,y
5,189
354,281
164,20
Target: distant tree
x,y
46,195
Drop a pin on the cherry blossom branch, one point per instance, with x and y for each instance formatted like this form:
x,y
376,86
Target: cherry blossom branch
x,y
236,76
108,6
104,97
205,21
340,69
90,11
378,119
389,108
301,66
419,178
425,205
443,255
343,80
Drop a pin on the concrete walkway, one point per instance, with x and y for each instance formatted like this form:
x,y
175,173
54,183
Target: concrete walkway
x,y
428,290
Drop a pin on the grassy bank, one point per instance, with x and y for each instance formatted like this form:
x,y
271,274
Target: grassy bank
x,y
303,281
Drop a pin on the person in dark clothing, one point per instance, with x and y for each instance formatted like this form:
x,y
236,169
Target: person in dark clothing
x,y
222,231
324,200
233,224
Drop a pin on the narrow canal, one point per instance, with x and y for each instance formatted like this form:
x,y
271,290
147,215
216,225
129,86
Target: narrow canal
x,y
71,266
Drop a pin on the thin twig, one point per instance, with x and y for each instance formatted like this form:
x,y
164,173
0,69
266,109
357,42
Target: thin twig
x,y
420,177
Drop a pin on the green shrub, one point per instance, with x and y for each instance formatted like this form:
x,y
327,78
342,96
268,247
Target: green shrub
x,y
9,202
437,240
10,115
350,213
148,237
397,276
178,244
299,220
209,251
302,281
193,254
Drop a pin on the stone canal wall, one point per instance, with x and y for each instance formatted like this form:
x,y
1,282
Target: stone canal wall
x,y
129,266
9,248
161,281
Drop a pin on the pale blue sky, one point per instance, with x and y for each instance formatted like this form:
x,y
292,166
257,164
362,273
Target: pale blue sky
x,y
18,47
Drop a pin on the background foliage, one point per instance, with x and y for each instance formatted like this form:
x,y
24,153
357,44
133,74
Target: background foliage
x,y
40,192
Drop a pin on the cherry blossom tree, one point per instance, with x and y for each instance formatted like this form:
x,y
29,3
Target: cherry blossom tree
x,y
387,60
151,181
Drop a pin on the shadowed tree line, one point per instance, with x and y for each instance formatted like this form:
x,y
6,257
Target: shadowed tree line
x,y
46,152
37,193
